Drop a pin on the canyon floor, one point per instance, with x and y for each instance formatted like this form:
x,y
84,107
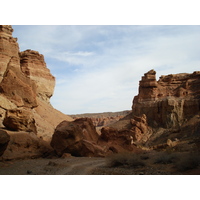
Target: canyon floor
x,y
96,166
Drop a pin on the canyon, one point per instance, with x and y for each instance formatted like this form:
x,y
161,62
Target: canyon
x,y
165,114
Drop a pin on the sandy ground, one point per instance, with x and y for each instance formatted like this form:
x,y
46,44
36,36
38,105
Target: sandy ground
x,y
66,166
83,166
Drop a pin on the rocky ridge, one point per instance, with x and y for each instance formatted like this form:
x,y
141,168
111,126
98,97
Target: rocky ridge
x,y
170,101
165,113
103,119
26,86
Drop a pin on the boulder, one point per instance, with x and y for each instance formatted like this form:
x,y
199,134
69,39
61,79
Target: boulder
x,y
25,145
79,138
115,141
4,140
20,119
138,132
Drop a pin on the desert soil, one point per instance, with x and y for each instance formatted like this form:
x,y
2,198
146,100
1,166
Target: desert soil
x,y
82,166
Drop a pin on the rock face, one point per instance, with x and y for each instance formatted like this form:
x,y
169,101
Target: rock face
x,y
26,86
23,145
103,119
79,138
123,139
170,101
11,75
20,120
165,113
8,48
33,65
4,140
23,97
140,128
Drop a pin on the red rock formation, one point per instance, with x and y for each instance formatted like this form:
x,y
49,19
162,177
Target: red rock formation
x,y
164,110
170,101
125,139
4,139
140,128
79,138
8,48
26,86
33,65
23,146
23,97
103,119
20,120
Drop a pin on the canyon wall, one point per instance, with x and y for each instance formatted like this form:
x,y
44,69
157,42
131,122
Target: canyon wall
x,y
164,112
26,86
170,101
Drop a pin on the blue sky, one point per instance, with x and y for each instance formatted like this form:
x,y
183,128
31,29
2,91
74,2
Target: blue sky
x,y
98,68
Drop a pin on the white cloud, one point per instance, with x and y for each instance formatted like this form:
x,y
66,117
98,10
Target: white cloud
x,y
73,58
98,68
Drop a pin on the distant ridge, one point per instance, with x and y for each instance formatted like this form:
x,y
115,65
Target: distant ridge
x,y
103,114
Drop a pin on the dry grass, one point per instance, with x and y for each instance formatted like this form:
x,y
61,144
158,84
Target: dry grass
x,y
165,158
182,162
188,162
127,160
176,162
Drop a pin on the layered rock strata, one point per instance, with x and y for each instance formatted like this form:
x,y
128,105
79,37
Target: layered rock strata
x,y
26,86
126,134
170,101
33,65
164,110
103,119
8,48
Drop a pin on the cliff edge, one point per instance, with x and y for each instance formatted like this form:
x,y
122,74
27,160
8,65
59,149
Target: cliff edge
x,y
26,86
165,113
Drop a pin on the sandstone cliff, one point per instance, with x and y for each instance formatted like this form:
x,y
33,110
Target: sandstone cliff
x,y
33,65
165,111
172,106
170,101
26,86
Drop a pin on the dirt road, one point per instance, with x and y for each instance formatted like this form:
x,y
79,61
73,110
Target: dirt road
x,y
67,166
87,166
